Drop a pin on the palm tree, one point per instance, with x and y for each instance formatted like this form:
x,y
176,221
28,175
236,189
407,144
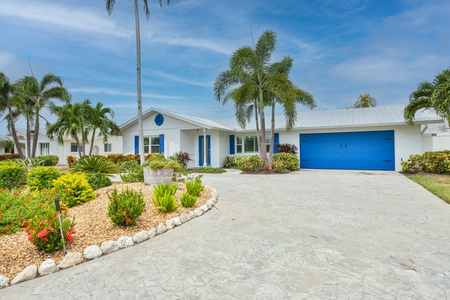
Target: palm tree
x,y
8,103
365,100
97,118
38,95
433,96
9,144
109,8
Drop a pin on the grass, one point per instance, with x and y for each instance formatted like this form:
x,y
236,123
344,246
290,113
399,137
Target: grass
x,y
208,169
436,183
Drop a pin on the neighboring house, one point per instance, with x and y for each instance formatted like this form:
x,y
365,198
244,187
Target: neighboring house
x,y
10,150
436,137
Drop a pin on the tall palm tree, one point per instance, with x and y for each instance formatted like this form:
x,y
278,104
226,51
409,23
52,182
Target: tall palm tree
x,y
433,96
8,103
37,95
109,8
98,118
365,100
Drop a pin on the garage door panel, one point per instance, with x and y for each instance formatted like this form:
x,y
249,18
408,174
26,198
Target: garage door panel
x,y
369,150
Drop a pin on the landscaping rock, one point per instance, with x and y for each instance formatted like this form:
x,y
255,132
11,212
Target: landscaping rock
x,y
214,194
191,215
161,228
152,233
92,252
71,259
184,218
4,281
204,208
198,212
30,272
141,236
125,241
210,203
109,247
47,267
176,221
170,224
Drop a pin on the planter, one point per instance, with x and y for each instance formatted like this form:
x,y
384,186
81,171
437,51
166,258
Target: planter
x,y
152,176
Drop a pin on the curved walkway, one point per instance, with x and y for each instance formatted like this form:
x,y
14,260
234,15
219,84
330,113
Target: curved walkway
x,y
308,234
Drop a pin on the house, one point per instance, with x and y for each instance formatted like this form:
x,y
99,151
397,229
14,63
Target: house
x,y
376,138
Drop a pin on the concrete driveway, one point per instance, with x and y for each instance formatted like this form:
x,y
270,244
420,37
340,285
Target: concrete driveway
x,y
305,235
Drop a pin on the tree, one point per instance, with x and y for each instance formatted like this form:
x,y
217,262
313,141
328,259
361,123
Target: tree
x,y
37,95
97,119
433,96
254,83
8,103
365,100
109,8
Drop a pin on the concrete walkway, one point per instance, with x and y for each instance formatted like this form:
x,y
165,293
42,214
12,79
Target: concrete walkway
x,y
305,235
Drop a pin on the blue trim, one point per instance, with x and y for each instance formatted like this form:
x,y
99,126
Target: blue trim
x,y
232,144
200,152
159,119
276,141
136,144
161,143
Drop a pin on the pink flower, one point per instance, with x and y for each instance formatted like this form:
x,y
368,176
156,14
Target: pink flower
x,y
42,234
128,220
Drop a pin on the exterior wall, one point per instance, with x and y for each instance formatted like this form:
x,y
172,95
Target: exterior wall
x,y
188,141
224,148
439,142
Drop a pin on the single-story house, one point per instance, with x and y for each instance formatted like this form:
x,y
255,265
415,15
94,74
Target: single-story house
x,y
375,138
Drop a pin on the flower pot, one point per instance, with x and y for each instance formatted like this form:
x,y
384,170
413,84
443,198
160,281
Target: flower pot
x,y
152,176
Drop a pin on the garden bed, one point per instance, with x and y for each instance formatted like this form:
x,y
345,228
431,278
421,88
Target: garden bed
x,y
93,227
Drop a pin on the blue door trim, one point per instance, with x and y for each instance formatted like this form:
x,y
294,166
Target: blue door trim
x,y
200,148
136,144
161,143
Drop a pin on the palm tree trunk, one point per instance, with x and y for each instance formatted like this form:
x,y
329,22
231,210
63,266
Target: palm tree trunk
x,y
36,134
28,138
12,127
138,79
92,142
272,135
262,142
258,133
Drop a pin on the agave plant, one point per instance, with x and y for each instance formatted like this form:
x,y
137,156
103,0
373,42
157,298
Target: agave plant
x,y
94,164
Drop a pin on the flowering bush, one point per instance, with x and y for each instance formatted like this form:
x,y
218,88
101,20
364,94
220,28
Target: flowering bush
x,y
44,231
73,189
42,177
98,180
289,161
429,162
125,207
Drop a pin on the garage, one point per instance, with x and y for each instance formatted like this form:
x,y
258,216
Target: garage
x,y
365,150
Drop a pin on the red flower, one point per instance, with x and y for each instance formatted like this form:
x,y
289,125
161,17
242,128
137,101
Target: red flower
x,y
128,220
30,237
72,230
124,212
18,214
69,237
45,239
52,229
42,234
42,223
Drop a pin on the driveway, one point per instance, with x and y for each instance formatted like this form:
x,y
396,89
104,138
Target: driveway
x,y
305,235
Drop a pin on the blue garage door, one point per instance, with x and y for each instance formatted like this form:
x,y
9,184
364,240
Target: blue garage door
x,y
368,150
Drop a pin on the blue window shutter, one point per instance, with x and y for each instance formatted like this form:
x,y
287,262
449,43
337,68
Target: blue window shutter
x,y
232,144
136,144
161,143
276,141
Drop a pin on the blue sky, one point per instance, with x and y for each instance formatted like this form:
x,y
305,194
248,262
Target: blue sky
x,y
341,48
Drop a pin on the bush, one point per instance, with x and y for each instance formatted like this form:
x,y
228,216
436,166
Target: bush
x,y
40,178
48,160
287,148
183,158
44,231
289,161
125,207
163,197
94,164
98,180
71,160
253,163
131,171
230,162
73,189
14,171
236,162
157,164
429,162
194,187
9,156
188,200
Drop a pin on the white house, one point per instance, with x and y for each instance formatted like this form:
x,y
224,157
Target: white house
x,y
376,138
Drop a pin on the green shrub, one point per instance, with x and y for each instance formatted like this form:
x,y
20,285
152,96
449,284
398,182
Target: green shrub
x,y
253,163
289,161
429,162
94,164
209,170
14,171
125,207
235,162
44,231
230,162
131,171
98,180
73,189
47,160
157,164
194,187
413,164
40,178
188,200
163,197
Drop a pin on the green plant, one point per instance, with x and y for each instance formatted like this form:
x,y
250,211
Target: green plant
x,y
98,180
131,171
30,163
183,158
9,156
429,162
289,161
73,189
194,187
163,197
71,160
253,163
157,164
188,200
94,164
209,169
42,177
230,162
125,207
438,184
44,231
47,160
12,171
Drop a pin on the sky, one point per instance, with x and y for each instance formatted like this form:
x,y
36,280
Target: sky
x,y
341,49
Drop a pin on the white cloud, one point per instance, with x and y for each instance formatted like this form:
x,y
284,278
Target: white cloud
x,y
114,92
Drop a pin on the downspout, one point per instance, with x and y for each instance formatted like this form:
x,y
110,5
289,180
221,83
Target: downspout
x,y
424,129
204,148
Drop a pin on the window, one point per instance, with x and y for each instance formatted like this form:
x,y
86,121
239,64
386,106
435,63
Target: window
x,y
107,147
74,147
238,144
44,148
151,144
249,144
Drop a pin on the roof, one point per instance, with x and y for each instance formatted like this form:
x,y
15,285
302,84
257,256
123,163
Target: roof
x,y
203,123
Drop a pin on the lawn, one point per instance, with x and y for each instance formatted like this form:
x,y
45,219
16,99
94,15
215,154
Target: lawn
x,y
438,184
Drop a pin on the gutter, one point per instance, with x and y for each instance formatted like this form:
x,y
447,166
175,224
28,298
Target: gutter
x,y
424,129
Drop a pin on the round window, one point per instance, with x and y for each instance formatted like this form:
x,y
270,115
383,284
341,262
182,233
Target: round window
x,y
159,119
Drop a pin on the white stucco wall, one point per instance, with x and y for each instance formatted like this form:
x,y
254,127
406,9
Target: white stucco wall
x,y
439,142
